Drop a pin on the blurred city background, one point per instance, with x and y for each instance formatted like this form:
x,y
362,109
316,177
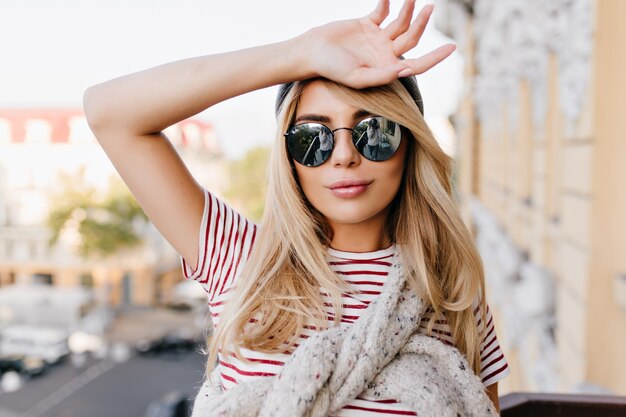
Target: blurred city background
x,y
95,316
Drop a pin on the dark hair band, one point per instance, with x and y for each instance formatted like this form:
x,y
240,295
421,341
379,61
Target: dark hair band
x,y
410,83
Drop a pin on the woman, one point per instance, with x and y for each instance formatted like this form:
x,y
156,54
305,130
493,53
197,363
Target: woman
x,y
336,233
373,137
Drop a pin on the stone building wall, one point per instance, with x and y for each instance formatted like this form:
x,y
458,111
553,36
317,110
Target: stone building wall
x,y
541,157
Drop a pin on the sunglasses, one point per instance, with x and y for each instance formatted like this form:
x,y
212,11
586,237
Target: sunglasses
x,y
376,138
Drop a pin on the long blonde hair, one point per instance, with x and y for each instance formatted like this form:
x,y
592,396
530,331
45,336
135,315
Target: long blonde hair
x,y
279,287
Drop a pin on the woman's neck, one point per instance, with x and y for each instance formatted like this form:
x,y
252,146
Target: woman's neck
x,y
363,237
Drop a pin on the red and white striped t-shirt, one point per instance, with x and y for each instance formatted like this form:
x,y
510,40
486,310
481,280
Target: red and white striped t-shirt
x,y
225,241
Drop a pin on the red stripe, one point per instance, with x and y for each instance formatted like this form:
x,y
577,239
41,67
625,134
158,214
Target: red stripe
x,y
369,292
489,335
489,323
246,373
356,299
346,295
267,361
496,360
488,344
379,273
253,237
206,236
380,410
361,261
229,249
263,361
494,373
378,284
351,306
441,332
241,251
227,277
343,316
215,262
185,269
228,378
484,358
215,227
344,319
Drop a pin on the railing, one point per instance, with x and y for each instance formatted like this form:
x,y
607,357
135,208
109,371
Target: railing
x,y
521,404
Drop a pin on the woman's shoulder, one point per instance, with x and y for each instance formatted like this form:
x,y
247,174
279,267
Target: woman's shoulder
x,y
225,241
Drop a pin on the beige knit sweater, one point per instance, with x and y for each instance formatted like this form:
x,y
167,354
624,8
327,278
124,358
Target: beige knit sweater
x,y
380,356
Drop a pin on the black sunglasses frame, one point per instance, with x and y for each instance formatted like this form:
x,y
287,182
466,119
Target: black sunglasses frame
x,y
290,137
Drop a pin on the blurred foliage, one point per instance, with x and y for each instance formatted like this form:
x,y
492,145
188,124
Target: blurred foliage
x,y
105,223
248,183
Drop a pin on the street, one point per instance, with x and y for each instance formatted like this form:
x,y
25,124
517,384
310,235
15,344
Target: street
x,y
104,388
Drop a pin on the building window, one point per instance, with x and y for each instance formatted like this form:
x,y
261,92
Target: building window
x,y
127,288
45,279
86,280
38,131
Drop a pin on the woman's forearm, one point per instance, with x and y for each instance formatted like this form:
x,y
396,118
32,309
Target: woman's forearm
x,y
151,100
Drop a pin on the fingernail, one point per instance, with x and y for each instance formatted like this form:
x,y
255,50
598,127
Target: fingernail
x,y
405,72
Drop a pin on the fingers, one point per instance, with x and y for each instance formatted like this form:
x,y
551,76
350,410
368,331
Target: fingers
x,y
367,77
409,38
380,13
426,62
402,22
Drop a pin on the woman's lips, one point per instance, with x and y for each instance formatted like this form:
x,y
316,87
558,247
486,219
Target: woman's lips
x,y
349,189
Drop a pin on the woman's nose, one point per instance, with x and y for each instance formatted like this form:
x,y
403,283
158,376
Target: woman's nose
x,y
344,153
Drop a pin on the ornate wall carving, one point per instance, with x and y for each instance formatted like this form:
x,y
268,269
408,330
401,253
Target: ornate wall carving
x,y
514,39
524,295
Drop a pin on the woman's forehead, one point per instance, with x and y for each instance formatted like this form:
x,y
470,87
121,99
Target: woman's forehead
x,y
317,99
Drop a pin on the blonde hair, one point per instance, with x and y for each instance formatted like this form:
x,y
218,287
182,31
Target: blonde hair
x,y
279,286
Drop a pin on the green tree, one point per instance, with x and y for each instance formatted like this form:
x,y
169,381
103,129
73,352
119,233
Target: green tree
x,y
104,224
248,182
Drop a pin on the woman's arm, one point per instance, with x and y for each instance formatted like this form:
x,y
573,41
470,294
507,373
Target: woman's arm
x,y
355,52
151,100
492,392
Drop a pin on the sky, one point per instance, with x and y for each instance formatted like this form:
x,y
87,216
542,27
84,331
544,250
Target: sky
x,y
52,50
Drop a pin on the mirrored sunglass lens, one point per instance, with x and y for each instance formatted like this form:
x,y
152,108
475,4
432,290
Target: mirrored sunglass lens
x,y
377,138
310,144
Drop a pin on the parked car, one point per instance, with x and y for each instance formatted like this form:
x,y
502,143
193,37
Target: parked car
x,y
43,342
181,306
172,404
23,364
169,343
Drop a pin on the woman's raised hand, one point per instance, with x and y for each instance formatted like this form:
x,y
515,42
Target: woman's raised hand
x,y
360,53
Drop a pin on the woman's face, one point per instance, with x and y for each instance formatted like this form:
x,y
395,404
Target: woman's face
x,y
353,205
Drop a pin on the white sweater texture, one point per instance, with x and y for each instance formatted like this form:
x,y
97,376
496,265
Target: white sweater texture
x,y
379,356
